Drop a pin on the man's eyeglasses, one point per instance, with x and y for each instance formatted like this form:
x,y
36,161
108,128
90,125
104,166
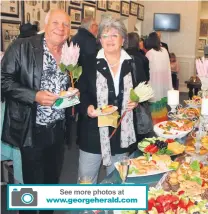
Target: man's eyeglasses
x,y
112,36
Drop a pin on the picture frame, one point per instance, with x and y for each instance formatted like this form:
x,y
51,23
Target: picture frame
x,y
35,11
73,30
140,14
89,11
203,32
9,32
202,43
75,14
133,8
114,6
10,8
125,7
101,5
91,2
75,2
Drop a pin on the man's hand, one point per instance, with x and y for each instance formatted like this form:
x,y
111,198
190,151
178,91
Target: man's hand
x,y
91,111
45,98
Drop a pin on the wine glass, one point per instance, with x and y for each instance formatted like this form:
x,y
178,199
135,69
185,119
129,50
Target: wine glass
x,y
124,162
85,179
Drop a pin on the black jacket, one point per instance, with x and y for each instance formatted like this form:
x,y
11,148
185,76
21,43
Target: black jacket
x,y
22,66
141,59
86,42
89,132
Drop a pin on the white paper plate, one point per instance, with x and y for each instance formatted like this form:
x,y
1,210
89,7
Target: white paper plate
x,y
70,93
114,108
175,133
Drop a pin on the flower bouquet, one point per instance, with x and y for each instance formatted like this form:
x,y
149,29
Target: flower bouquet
x,y
139,94
69,65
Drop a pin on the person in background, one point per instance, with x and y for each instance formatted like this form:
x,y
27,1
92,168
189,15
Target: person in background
x,y
86,38
174,70
31,81
160,77
142,48
27,30
164,45
106,80
134,50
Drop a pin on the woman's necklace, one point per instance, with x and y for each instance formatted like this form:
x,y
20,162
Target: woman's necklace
x,y
113,65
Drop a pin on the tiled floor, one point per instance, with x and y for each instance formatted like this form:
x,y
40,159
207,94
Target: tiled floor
x,y
70,167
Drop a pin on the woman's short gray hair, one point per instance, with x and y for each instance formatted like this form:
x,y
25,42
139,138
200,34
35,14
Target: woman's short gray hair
x,y
110,22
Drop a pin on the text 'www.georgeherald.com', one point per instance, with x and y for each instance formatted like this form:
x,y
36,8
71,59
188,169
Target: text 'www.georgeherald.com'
x,y
58,197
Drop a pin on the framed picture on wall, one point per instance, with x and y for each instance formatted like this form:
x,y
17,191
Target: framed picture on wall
x,y
133,8
35,11
89,11
92,2
203,32
75,14
202,43
74,29
114,6
9,32
75,2
125,8
10,8
101,5
140,14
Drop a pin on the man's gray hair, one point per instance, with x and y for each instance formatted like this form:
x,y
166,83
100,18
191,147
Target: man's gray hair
x,y
47,17
87,22
110,22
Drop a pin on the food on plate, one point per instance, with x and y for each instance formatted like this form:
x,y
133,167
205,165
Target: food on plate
x,y
107,109
163,202
204,141
145,165
176,147
189,113
195,101
158,145
179,125
63,93
190,146
190,177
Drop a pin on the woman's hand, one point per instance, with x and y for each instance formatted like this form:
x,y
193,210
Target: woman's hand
x,y
131,105
91,111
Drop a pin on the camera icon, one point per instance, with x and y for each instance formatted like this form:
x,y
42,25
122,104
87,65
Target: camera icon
x,y
24,197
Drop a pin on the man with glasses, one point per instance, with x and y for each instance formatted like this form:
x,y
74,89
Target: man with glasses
x,y
31,83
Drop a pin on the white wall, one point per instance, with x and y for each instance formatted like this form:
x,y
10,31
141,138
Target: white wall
x,y
182,43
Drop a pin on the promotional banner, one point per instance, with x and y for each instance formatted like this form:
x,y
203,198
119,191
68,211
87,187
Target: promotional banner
x,y
69,197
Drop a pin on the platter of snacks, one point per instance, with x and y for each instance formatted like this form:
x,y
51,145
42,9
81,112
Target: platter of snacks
x,y
195,102
106,110
146,165
67,94
185,113
159,145
163,202
190,146
173,129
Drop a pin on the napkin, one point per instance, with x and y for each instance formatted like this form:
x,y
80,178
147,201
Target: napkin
x,y
66,102
109,120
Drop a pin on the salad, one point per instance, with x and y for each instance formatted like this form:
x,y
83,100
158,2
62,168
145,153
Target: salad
x,y
159,145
